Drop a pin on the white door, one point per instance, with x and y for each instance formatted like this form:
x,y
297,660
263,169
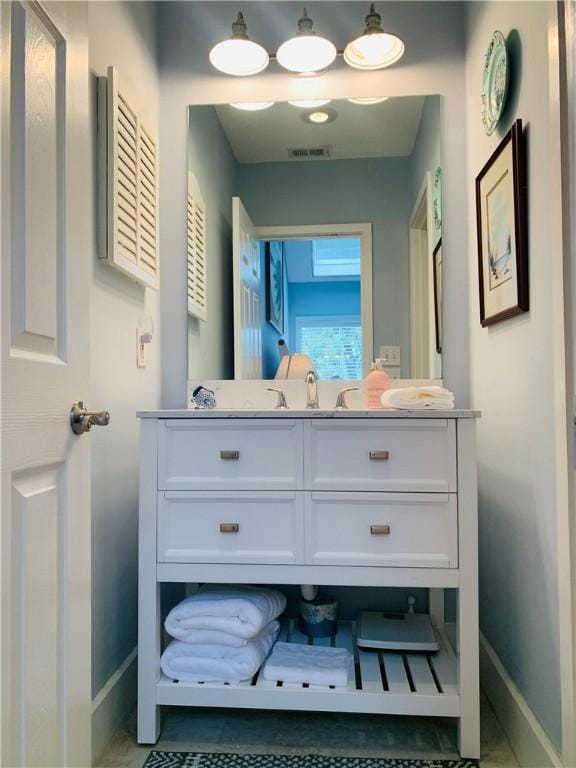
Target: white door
x,y
45,482
247,295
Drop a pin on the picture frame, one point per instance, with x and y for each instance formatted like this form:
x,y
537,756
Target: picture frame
x,y
501,223
275,284
437,276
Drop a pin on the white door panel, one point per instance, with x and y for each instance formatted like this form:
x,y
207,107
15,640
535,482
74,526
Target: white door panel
x,y
247,288
45,535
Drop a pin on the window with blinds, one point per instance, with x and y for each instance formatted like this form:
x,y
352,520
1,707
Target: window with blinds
x,y
334,344
128,152
196,250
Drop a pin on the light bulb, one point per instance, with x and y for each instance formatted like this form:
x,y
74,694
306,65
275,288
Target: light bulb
x,y
239,56
252,106
318,117
374,49
310,103
306,53
369,100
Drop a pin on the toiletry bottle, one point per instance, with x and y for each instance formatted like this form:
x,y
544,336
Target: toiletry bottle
x,y
377,382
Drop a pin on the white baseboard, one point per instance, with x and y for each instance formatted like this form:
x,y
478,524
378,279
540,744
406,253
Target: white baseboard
x,y
527,738
113,704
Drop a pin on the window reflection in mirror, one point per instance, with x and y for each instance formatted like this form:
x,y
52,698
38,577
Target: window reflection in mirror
x,y
319,239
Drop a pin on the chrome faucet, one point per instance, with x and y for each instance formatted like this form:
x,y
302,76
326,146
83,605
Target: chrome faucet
x,y
311,390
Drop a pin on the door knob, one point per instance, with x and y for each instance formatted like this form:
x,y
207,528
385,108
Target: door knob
x,y
82,420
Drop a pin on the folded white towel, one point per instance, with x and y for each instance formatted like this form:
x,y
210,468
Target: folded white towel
x,y
216,663
418,398
239,611
311,664
212,636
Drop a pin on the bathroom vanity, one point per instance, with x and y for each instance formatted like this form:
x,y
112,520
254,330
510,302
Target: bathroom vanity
x,y
356,498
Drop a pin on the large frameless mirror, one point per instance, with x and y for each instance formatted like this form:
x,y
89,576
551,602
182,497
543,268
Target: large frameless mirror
x,y
323,220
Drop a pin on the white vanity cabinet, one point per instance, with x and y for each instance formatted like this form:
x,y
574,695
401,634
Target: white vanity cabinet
x,y
370,498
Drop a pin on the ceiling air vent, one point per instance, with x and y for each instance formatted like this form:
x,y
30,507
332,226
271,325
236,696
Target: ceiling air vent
x,y
310,153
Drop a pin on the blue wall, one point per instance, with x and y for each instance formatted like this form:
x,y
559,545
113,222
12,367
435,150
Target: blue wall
x,y
426,152
322,299
426,157
341,192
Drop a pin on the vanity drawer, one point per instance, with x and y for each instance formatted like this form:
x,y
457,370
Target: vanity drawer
x,y
227,527
407,454
403,530
220,454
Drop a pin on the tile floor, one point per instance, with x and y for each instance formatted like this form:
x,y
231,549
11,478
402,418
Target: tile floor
x,y
227,730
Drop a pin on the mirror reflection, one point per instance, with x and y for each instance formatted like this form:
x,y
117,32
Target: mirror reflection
x,y
326,217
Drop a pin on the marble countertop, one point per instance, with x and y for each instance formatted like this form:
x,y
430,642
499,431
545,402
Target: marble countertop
x,y
293,413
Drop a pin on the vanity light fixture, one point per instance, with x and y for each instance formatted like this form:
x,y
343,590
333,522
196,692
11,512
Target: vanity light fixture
x,y
375,48
366,101
252,106
306,53
239,56
310,103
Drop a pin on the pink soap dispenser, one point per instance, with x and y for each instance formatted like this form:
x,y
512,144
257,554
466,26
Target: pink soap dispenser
x,y
377,382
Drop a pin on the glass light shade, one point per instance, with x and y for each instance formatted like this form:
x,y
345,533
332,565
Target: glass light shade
x,y
306,54
374,51
252,106
369,100
294,367
239,57
310,103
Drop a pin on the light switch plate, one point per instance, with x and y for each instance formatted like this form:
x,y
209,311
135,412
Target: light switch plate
x,y
140,349
390,355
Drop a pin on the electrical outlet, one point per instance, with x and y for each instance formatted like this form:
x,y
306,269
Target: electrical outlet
x,y
390,355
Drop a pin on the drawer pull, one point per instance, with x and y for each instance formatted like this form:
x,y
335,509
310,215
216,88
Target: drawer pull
x,y
379,455
230,455
229,527
380,530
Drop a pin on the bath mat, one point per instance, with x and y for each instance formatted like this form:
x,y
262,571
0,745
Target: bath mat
x,y
228,760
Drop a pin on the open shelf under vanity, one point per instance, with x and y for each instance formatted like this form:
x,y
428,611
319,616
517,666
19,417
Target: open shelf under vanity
x,y
383,682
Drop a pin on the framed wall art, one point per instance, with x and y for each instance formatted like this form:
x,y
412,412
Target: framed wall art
x,y
275,284
502,231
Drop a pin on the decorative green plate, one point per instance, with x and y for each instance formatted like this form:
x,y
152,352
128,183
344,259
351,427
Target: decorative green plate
x,y
494,82
437,198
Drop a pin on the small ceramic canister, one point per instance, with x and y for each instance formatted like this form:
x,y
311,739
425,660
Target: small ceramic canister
x,y
318,617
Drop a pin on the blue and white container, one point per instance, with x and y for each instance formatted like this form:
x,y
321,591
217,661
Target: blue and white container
x,y
319,617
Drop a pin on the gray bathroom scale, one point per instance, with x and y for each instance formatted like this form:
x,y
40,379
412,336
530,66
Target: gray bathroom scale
x,y
396,632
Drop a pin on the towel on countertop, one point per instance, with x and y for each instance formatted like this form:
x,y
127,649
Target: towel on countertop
x,y
418,398
240,611
216,663
313,664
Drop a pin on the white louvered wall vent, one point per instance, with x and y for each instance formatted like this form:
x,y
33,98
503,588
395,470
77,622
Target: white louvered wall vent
x,y
128,194
196,250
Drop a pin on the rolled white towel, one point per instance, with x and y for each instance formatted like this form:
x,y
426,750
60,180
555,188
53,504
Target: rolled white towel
x,y
212,636
418,398
316,665
216,663
239,611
